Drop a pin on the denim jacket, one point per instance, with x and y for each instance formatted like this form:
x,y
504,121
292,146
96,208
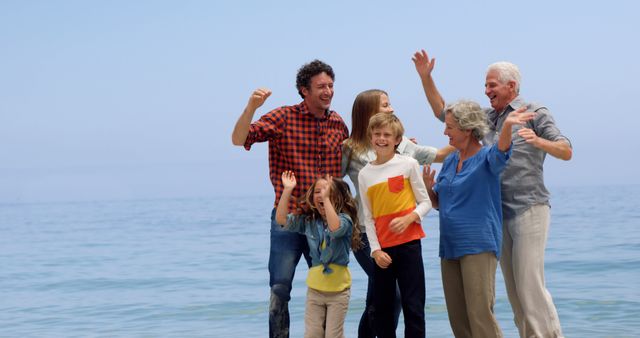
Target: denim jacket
x,y
338,242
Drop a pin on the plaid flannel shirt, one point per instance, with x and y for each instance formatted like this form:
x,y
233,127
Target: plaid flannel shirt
x,y
311,147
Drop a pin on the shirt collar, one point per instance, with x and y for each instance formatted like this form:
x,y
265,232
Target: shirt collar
x,y
516,103
494,115
304,110
513,105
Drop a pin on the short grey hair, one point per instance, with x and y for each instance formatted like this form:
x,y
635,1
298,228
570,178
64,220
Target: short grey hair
x,y
469,116
507,71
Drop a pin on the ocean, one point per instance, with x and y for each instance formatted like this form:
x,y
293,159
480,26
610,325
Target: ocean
x,y
197,267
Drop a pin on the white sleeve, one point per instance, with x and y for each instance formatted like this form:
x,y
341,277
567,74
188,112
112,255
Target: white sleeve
x,y
423,154
369,224
419,190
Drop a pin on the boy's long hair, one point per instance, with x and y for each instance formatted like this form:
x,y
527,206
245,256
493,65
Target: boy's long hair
x,y
342,201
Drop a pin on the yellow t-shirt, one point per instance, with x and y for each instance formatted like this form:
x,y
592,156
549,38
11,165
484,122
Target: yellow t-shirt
x,y
338,280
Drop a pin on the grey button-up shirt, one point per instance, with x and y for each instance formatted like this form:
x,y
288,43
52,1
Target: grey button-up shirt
x,y
522,180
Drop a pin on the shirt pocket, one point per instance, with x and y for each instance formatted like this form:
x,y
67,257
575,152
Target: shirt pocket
x,y
396,184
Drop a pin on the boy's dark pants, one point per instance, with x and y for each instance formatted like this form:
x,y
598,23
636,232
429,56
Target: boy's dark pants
x,y
408,270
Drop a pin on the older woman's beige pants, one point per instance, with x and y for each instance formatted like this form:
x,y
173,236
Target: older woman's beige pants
x,y
325,313
524,239
470,291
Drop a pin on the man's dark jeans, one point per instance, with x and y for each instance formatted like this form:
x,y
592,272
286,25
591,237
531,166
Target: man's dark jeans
x,y
284,254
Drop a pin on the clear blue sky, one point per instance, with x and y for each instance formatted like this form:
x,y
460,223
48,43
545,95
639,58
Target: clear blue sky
x,y
137,99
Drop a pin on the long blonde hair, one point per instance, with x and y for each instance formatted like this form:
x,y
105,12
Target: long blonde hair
x,y
365,105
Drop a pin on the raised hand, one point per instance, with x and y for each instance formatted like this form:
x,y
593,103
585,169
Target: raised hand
x,y
428,176
241,129
258,97
424,66
519,116
516,117
325,192
289,179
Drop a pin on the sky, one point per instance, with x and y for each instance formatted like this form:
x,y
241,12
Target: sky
x,y
103,100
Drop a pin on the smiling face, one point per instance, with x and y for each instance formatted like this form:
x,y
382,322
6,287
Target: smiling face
x,y
500,94
385,105
458,138
319,94
384,141
317,195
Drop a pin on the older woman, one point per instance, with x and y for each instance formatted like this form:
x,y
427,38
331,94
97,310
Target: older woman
x,y
467,194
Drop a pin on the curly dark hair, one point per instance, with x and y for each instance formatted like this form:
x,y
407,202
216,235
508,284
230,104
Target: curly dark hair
x,y
309,70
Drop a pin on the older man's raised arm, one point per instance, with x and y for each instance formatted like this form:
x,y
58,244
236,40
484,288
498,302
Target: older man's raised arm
x,y
424,67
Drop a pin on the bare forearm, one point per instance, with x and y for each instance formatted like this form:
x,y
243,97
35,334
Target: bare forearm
x,y
558,149
433,95
434,198
504,141
241,130
333,221
442,153
283,207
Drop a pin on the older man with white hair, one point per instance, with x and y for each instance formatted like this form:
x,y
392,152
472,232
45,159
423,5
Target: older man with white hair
x,y
525,199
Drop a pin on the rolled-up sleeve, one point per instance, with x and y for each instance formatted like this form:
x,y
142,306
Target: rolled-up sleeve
x,y
296,223
423,154
346,225
267,127
545,127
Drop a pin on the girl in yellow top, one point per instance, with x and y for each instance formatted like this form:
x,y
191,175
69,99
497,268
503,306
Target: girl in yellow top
x,y
328,225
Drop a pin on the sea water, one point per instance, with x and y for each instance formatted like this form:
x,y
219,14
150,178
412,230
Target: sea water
x,y
198,268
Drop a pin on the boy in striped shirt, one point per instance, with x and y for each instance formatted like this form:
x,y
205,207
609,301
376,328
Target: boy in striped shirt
x,y
395,200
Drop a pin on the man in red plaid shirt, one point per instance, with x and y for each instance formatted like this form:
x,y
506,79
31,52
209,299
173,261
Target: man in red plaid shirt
x,y
307,139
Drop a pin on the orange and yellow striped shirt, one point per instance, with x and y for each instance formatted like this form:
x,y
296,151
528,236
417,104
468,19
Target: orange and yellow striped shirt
x,y
391,190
